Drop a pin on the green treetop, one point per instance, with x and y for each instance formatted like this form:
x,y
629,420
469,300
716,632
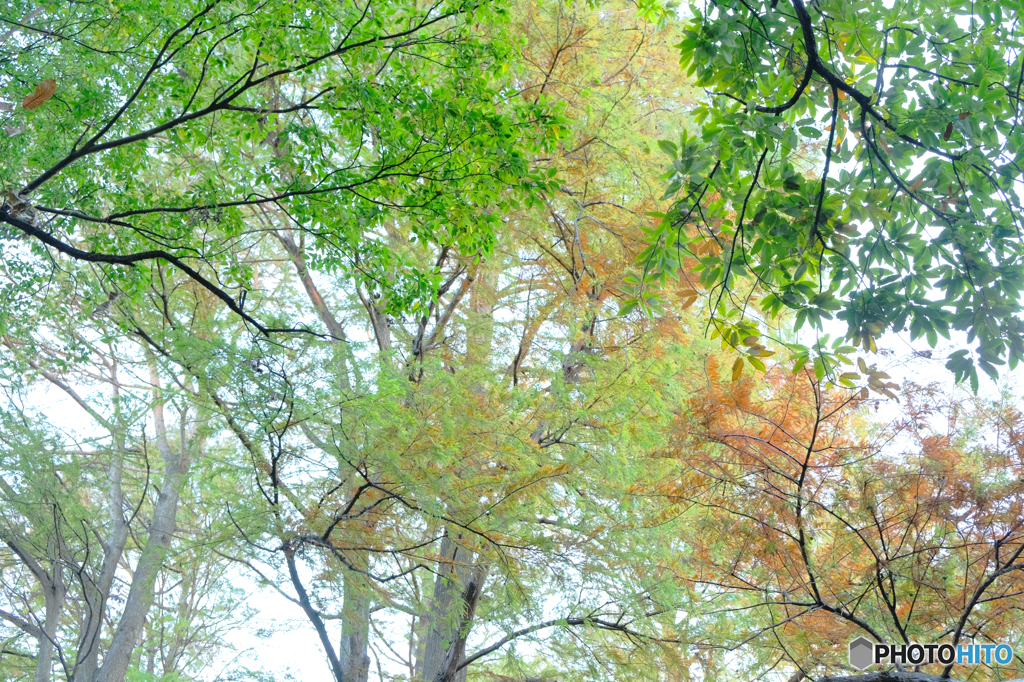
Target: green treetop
x,y
857,162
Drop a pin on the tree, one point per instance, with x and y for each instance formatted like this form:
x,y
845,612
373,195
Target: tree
x,y
453,436
460,469
854,162
150,135
334,290
152,140
88,515
815,531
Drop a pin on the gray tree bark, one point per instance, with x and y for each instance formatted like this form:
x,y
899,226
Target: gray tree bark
x,y
54,594
353,652
457,590
161,531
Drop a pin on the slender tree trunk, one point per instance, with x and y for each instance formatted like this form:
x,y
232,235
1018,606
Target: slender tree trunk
x,y
183,612
459,582
378,321
323,311
140,595
353,654
314,616
161,530
54,594
98,592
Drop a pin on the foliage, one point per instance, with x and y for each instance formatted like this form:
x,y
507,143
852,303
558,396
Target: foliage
x,y
813,531
172,123
332,299
79,507
855,162
446,454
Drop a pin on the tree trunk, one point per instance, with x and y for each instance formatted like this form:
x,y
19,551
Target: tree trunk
x,y
334,328
161,530
480,321
97,594
54,593
457,590
353,654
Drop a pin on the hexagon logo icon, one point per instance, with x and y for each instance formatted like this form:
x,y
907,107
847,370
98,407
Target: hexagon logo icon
x,y
861,653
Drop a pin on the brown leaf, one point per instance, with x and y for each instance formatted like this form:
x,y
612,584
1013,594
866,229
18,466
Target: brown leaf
x,y
949,131
964,114
44,91
864,393
737,369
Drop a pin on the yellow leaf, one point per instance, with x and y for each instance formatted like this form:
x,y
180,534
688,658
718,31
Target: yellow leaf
x,y
737,369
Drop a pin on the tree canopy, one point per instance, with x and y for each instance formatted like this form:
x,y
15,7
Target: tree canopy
x,y
857,162
153,133
376,308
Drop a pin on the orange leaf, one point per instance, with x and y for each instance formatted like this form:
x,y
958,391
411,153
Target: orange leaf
x,y
839,142
44,91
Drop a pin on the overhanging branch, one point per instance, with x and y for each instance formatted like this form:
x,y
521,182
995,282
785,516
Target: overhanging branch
x,y
133,258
